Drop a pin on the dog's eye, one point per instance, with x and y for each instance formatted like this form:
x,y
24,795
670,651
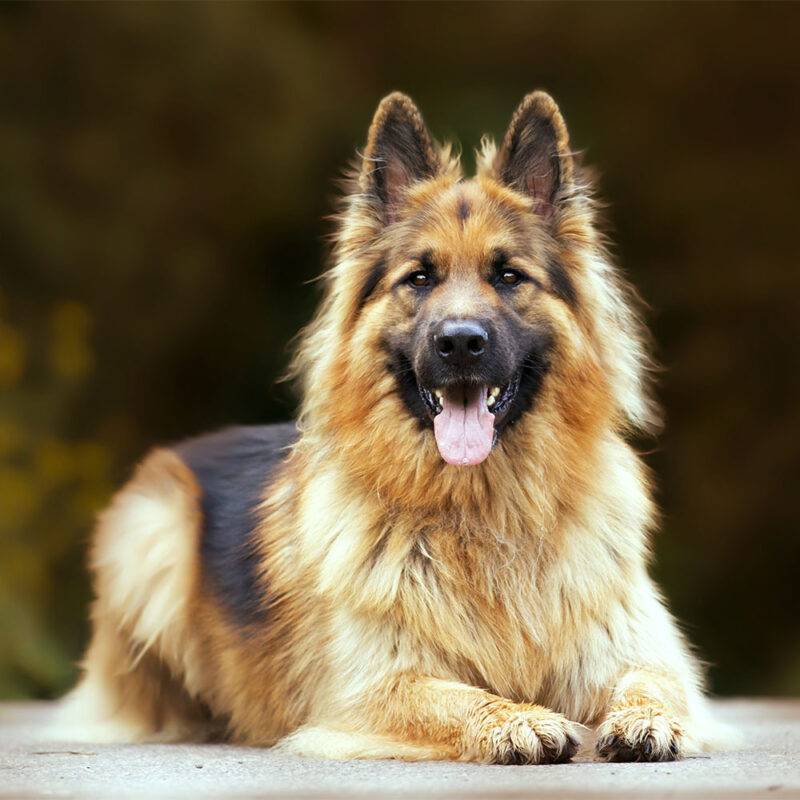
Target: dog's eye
x,y
510,277
420,279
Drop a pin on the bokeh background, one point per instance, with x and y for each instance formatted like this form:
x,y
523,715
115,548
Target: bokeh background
x,y
164,174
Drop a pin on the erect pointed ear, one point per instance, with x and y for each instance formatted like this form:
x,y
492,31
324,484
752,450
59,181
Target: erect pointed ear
x,y
399,152
535,158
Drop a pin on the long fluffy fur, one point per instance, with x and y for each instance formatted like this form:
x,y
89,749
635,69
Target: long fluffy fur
x,y
415,611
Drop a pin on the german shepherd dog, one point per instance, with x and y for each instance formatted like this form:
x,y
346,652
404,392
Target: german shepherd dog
x,y
446,557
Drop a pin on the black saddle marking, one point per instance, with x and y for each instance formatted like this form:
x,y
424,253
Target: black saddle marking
x,y
233,467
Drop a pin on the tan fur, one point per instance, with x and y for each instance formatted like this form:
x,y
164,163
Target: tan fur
x,y
421,610
145,578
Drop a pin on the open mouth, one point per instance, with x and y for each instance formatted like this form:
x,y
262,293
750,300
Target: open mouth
x,y
464,417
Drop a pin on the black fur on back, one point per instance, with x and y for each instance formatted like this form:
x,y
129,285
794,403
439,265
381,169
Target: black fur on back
x,y
233,467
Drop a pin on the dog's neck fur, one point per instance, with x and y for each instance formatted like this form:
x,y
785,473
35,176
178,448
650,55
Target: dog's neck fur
x,y
531,482
543,467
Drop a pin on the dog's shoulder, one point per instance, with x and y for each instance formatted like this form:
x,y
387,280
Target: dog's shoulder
x,y
233,468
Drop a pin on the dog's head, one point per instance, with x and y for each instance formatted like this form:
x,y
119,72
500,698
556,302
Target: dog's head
x,y
469,306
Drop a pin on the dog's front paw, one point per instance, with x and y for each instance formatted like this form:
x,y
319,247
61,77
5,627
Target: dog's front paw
x,y
508,733
639,733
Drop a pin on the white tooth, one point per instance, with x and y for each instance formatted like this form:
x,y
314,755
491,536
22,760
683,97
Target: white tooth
x,y
495,391
438,394
490,401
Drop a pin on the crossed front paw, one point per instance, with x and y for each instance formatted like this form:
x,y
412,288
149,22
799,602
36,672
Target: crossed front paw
x,y
521,734
639,733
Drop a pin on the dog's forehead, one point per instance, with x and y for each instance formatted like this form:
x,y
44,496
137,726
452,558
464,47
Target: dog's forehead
x,y
465,222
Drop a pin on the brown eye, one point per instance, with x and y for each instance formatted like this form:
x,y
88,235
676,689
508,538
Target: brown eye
x,y
420,279
509,277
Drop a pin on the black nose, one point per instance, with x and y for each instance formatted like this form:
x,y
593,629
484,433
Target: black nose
x,y
461,342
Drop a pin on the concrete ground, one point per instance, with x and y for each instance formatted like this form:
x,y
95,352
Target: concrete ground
x,y
767,765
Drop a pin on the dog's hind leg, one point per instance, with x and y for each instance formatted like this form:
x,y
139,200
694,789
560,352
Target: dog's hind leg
x,y
137,682
123,697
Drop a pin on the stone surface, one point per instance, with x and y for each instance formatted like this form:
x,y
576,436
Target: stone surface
x,y
767,764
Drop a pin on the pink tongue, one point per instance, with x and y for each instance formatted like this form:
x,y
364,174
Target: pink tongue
x,y
464,432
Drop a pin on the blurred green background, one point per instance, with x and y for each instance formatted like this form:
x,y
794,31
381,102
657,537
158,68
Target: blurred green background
x,y
164,174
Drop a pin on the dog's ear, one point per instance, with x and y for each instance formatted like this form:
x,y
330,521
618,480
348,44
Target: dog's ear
x,y
534,157
399,152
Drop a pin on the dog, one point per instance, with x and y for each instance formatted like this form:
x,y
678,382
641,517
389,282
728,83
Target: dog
x,y
445,557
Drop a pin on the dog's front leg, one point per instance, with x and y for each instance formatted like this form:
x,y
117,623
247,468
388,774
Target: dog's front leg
x,y
643,720
477,725
419,718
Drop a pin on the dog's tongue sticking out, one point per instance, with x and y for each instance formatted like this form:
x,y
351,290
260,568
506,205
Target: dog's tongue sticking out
x,y
464,429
